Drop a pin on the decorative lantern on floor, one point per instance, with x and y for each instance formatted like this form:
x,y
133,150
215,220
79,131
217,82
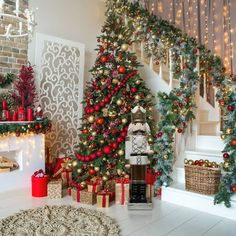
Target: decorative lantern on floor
x,y
137,152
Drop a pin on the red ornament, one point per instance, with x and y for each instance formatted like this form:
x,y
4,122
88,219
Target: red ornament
x,y
233,142
159,173
106,100
91,110
115,145
133,90
104,59
97,107
93,156
92,172
119,140
230,107
123,134
102,104
226,155
87,158
195,51
121,69
100,121
99,153
233,188
107,150
159,135
179,130
113,131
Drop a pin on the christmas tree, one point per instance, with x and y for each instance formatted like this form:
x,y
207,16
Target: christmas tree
x,y
116,87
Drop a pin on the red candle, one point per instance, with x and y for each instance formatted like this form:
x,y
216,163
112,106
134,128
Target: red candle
x,y
29,114
21,114
4,105
14,116
8,117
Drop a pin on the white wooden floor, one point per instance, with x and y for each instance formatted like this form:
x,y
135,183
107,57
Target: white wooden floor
x,y
164,219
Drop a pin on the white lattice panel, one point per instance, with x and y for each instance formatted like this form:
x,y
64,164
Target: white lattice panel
x,y
60,69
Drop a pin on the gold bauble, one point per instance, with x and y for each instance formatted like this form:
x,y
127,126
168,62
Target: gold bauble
x,y
120,152
223,136
229,131
186,161
108,173
150,108
94,134
104,159
102,141
119,102
149,97
120,36
106,72
115,81
96,168
119,172
137,97
100,72
85,143
104,178
205,164
83,184
79,171
105,112
124,47
206,161
74,163
112,114
150,139
226,164
190,162
115,44
150,117
138,81
91,119
124,121
165,157
91,165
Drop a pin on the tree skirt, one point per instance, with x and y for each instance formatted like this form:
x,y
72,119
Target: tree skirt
x,y
59,221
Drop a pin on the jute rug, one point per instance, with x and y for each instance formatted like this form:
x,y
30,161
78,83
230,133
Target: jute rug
x,y
59,221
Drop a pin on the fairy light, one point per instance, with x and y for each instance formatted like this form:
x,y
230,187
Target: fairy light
x,y
170,11
230,31
152,8
213,27
159,7
188,18
206,25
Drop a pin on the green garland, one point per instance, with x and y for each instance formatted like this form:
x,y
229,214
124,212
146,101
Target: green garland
x,y
176,108
6,80
37,127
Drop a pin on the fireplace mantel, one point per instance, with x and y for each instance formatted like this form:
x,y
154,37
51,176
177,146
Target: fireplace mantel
x,y
29,152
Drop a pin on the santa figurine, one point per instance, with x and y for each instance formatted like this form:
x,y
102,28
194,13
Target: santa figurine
x,y
137,152
39,113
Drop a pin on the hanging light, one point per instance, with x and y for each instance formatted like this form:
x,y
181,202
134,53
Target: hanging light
x,y
21,23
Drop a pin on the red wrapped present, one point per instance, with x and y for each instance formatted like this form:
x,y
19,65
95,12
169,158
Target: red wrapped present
x,y
69,191
39,182
105,197
150,177
75,193
94,186
122,191
62,164
66,177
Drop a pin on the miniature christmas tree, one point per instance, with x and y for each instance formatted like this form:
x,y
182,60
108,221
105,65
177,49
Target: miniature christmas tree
x,y
115,89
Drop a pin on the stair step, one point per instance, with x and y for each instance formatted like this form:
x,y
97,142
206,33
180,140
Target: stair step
x,y
207,142
203,115
208,127
211,155
177,194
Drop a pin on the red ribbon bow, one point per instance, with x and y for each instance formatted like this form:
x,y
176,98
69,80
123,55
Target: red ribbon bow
x,y
40,173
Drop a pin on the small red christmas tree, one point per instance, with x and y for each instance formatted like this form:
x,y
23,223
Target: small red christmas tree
x,y
25,91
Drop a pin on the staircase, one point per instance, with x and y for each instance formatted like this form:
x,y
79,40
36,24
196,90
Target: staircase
x,y
201,142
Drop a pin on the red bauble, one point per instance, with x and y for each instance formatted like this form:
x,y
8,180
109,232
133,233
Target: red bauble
x,y
230,107
91,110
196,162
93,156
124,92
226,155
115,145
133,90
102,104
107,150
179,130
92,172
104,59
195,51
121,69
113,131
100,121
233,188
159,135
97,108
123,134
106,100
233,142
99,153
158,173
93,145
87,158
119,140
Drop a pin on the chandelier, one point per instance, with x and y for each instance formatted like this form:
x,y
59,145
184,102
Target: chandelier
x,y
16,24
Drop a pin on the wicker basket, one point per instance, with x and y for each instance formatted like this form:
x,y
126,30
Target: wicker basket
x,y
202,180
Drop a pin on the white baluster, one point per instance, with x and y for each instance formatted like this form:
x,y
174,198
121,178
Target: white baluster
x,y
204,86
151,63
170,69
161,71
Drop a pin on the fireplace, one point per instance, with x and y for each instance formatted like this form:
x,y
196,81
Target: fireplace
x,y
28,152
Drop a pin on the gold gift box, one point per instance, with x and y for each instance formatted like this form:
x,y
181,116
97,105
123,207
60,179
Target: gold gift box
x,y
88,197
55,189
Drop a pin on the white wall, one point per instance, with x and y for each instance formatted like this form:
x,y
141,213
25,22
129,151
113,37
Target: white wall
x,y
76,20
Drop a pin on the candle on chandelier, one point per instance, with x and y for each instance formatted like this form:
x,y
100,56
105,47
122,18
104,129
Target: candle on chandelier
x,y
17,7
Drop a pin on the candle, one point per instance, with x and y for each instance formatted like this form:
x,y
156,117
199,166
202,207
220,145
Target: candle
x,y
29,114
4,105
14,116
20,27
8,117
17,7
21,114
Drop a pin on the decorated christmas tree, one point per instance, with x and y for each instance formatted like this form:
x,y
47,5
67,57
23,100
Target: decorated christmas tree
x,y
116,87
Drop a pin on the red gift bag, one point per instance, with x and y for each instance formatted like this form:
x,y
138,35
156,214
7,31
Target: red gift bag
x,y
39,186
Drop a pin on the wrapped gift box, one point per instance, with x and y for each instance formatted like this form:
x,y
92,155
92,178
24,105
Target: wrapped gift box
x,y
55,189
150,191
66,177
94,187
122,191
75,193
87,197
39,182
110,184
104,198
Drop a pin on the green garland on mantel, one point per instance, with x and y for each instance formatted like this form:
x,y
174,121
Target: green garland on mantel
x,y
177,107
6,80
25,128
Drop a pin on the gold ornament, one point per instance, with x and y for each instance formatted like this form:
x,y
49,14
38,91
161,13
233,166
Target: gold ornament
x,y
91,119
104,178
149,97
115,44
229,131
106,72
150,108
137,97
223,136
94,134
83,184
108,173
102,141
74,163
100,72
104,159
120,152
165,157
120,36
186,161
137,82
206,161
105,112
115,81
124,121
91,165
150,139
190,162
124,47
119,172
96,168
226,164
205,164
119,102
85,143
79,171
112,114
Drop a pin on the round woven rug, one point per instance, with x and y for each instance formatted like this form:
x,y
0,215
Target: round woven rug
x,y
59,221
